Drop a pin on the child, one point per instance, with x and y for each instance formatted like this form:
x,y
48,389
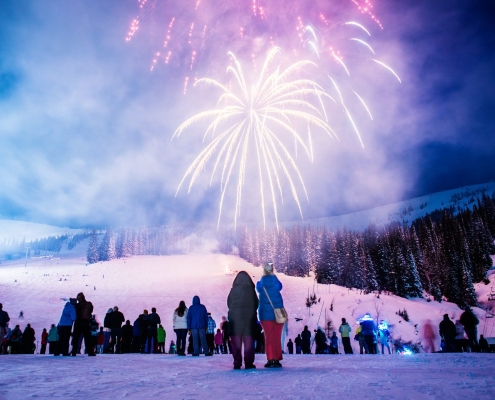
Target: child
x,y
100,340
218,341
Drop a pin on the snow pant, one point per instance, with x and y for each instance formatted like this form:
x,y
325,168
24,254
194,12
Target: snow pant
x,y
346,342
161,347
181,340
298,349
472,334
387,345
237,343
82,329
210,339
334,350
199,340
306,347
369,344
449,344
106,342
52,346
152,340
43,349
273,342
136,344
63,340
291,349
362,346
116,338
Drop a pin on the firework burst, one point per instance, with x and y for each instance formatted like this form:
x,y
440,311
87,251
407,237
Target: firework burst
x,y
251,124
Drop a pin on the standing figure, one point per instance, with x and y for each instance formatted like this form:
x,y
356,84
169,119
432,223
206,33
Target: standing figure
x,y
210,333
321,341
67,318
470,322
160,339
306,340
269,288
383,335
107,330
345,330
448,332
14,340
127,335
180,327
429,336
368,331
334,344
153,322
117,321
197,323
298,343
224,326
100,341
218,341
243,304
290,346
460,338
28,340
4,320
52,339
44,341
143,328
82,327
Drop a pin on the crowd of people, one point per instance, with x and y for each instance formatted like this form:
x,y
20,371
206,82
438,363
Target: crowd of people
x,y
256,323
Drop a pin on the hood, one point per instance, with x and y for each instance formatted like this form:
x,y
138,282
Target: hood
x,y
196,300
243,279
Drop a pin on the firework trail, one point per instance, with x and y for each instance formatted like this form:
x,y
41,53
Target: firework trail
x,y
251,124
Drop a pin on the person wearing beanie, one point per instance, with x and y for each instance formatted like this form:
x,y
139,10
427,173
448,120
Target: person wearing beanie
x,y
269,288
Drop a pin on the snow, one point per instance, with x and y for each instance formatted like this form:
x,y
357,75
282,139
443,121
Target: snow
x,y
422,376
20,230
142,282
401,211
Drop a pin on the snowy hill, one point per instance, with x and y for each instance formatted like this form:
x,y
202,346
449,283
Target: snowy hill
x,y
142,282
11,230
404,211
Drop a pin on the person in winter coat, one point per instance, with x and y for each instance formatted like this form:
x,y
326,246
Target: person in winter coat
x,y
180,327
44,341
298,343
14,340
360,339
4,318
82,327
143,328
448,332
197,323
243,304
227,346
269,288
461,343
153,322
127,334
218,341
383,335
28,339
306,340
321,341
52,339
4,339
107,330
345,330
160,339
100,341
136,336
334,344
117,320
67,318
484,347
210,333
368,331
290,346
470,322
429,336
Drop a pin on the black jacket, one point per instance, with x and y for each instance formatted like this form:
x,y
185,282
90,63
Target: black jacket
x,y
298,341
469,319
127,331
306,336
107,321
447,328
84,310
153,321
243,306
117,319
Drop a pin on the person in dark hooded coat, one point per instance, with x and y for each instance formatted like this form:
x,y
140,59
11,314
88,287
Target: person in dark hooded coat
x,y
197,322
243,305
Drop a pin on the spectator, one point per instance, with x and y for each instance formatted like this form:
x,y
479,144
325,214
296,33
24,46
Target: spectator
x,y
306,340
153,322
14,340
117,319
197,322
160,339
484,347
345,330
180,327
84,309
28,339
368,330
460,340
210,333
127,334
44,341
321,341
107,330
143,328
65,327
298,343
470,322
290,346
334,344
4,319
218,341
100,341
136,336
243,304
52,339
269,288
448,332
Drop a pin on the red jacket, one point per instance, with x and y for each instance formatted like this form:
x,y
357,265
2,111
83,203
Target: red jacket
x,y
100,338
44,337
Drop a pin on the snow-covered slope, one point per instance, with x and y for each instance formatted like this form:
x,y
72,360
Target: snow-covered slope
x,y
20,230
404,211
143,282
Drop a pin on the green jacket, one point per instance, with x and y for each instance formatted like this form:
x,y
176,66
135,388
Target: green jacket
x,y
161,335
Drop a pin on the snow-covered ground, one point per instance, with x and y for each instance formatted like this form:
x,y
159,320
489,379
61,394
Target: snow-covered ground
x,y
142,282
422,376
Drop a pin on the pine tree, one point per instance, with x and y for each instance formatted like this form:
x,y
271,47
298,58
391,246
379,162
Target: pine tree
x,y
92,254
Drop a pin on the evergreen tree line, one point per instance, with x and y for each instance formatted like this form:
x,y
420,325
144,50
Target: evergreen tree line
x,y
440,255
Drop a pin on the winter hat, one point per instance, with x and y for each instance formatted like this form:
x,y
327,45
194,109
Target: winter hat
x,y
110,310
73,301
268,268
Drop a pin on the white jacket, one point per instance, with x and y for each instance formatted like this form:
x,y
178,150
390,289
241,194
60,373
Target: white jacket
x,y
180,322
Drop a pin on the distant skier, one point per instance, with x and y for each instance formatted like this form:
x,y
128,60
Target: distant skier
x,y
345,330
448,332
306,340
21,314
470,322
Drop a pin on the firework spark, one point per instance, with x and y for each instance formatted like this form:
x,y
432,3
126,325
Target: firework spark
x,y
251,125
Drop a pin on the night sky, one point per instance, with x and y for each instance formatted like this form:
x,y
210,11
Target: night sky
x,y
85,127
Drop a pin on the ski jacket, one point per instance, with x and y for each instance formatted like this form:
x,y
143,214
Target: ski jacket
x,y
469,319
180,322
197,316
136,329
153,321
243,304
143,324
68,315
298,341
53,335
107,321
345,330
84,310
218,338
127,331
211,326
306,336
368,328
44,337
160,335
447,328
334,341
383,337
273,287
116,320
4,318
15,335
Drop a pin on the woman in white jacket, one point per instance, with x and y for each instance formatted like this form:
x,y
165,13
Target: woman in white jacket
x,y
180,328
